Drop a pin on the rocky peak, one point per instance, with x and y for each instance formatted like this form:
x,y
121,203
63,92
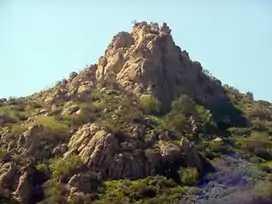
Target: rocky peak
x,y
145,61
79,139
148,61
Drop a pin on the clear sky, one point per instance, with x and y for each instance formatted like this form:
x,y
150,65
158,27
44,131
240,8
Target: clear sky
x,y
43,41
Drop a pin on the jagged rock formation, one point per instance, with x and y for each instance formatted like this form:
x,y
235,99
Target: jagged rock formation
x,y
145,61
148,61
100,150
103,151
105,123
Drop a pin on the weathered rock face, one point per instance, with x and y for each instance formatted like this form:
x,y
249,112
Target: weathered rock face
x,y
100,149
22,184
24,188
77,84
148,61
35,143
28,142
103,151
7,175
83,183
143,61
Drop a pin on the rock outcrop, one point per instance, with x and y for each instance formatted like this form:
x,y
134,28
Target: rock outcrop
x,y
7,175
148,61
144,61
102,150
96,125
83,184
21,184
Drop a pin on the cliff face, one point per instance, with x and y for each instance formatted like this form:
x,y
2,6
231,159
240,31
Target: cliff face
x,y
144,112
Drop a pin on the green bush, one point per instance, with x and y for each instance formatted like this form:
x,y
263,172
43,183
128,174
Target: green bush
x,y
235,131
60,168
52,126
64,167
2,152
189,176
260,111
175,122
263,188
42,167
185,105
14,113
150,105
110,126
258,143
53,192
16,130
183,108
149,190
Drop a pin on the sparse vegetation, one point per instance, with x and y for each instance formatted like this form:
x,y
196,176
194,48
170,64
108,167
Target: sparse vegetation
x,y
52,126
105,144
62,168
120,116
150,105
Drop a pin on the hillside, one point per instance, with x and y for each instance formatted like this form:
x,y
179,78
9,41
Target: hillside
x,y
145,124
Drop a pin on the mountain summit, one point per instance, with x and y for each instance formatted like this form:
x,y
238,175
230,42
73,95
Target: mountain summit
x,y
143,125
147,61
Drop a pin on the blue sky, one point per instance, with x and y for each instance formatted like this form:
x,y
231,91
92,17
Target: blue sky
x,y
43,41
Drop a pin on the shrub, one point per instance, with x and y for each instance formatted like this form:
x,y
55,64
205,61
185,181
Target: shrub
x,y
259,144
53,191
16,130
239,131
260,111
184,104
263,189
175,122
150,190
42,167
8,116
203,116
177,119
85,116
110,126
52,126
64,167
189,176
150,105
